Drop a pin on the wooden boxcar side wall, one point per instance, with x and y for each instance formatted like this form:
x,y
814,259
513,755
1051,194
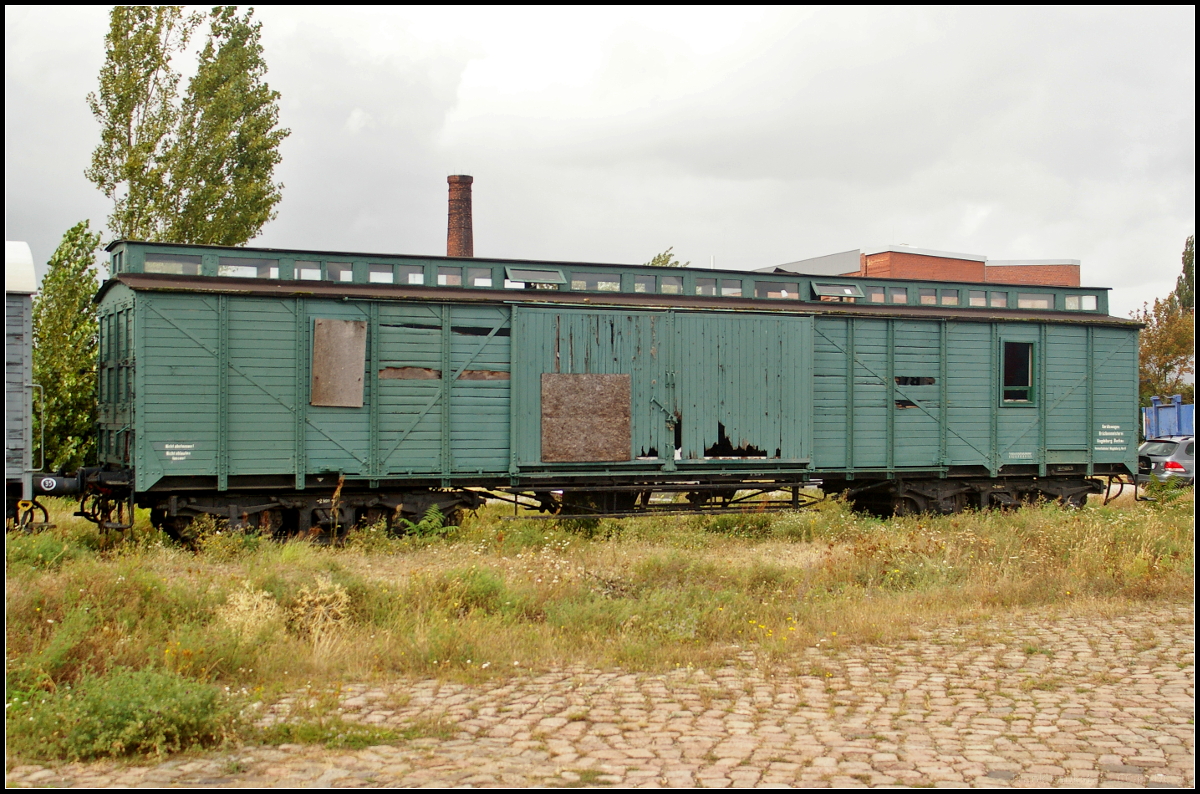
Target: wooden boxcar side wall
x,y
929,394
223,389
18,391
1115,420
177,386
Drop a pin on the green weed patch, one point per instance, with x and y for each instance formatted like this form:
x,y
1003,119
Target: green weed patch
x,y
122,713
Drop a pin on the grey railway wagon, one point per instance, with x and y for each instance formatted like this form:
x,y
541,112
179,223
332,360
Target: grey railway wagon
x,y
243,381
19,286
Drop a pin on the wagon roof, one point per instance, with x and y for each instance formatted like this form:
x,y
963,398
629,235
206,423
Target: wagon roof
x,y
159,282
303,253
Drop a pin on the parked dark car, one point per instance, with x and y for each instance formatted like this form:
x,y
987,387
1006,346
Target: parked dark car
x,y
1168,458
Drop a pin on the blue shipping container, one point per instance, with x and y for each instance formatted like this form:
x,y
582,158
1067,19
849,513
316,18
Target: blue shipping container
x,y
1168,419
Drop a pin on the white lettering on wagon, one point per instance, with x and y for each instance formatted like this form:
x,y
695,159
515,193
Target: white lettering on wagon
x,y
1111,438
176,451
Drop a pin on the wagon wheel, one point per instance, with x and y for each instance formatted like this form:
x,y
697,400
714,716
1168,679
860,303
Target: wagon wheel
x,y
905,506
177,528
962,502
1075,500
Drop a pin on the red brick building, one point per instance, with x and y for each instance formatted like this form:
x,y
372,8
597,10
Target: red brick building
x,y
901,261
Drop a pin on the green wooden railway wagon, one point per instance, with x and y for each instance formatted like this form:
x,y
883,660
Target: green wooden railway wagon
x,y
253,383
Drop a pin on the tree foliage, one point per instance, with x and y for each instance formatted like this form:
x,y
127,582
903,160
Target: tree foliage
x,y
1184,297
666,259
224,158
64,351
137,110
1167,362
196,169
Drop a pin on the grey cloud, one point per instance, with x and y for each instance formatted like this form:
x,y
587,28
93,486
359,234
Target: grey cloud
x,y
1007,132
364,133
1078,102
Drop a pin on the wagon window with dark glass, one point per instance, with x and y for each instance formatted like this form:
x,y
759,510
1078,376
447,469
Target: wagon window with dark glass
x,y
339,271
1018,372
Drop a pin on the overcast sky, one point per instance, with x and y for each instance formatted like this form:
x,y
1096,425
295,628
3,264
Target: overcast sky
x,y
755,136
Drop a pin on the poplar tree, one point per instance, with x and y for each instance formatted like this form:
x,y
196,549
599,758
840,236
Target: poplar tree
x,y
64,352
192,169
1184,296
227,145
136,106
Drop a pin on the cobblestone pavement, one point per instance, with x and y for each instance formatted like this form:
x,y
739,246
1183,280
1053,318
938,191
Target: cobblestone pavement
x,y
1029,701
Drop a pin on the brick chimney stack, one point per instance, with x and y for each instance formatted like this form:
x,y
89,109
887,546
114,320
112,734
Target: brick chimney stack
x,y
459,239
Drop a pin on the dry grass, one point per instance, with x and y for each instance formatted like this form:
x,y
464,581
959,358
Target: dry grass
x,y
498,596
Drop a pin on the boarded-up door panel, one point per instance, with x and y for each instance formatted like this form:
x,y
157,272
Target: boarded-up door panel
x,y
338,359
871,393
585,417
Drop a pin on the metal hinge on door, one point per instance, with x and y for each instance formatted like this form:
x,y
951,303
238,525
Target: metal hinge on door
x,y
670,416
